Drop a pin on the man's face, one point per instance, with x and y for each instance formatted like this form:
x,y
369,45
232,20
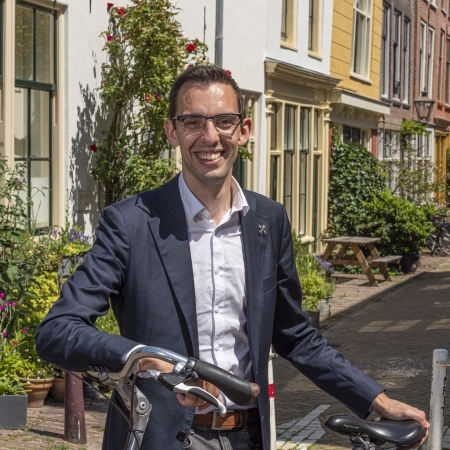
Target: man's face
x,y
207,157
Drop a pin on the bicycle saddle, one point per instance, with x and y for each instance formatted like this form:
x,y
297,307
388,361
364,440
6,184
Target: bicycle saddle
x,y
403,433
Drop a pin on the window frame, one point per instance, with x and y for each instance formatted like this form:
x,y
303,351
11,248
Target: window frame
x,y
396,84
441,60
447,72
385,53
430,58
358,66
422,56
315,28
406,58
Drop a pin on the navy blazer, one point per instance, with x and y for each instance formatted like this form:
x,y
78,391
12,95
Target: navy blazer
x,y
141,263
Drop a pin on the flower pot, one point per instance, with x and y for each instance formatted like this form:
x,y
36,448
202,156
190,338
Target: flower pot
x,y
324,308
314,318
13,412
409,263
58,390
37,390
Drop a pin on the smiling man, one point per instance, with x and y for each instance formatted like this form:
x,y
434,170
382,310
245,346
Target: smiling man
x,y
205,269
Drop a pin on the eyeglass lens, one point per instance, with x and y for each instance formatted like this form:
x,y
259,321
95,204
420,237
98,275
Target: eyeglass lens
x,y
224,123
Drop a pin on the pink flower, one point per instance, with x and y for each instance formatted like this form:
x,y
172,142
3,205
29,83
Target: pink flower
x,y
109,5
5,334
6,303
2,295
228,72
190,47
110,37
93,148
14,304
2,308
158,97
15,342
24,331
121,11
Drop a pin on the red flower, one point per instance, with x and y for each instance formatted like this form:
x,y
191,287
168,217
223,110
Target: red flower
x,y
109,5
190,47
158,97
121,11
24,331
93,148
15,342
228,72
148,98
110,37
191,65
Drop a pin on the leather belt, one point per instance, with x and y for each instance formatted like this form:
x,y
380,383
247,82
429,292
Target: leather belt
x,y
233,419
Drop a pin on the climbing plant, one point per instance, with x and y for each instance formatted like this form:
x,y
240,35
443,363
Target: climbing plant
x,y
145,53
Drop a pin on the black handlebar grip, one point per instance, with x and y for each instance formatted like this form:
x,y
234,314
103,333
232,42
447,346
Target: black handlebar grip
x,y
204,396
238,391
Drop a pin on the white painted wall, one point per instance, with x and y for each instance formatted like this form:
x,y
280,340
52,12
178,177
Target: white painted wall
x,y
300,57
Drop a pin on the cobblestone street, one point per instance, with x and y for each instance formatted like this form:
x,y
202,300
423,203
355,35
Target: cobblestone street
x,y
390,332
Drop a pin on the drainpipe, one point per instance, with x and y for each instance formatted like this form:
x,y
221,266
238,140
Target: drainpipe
x,y
218,59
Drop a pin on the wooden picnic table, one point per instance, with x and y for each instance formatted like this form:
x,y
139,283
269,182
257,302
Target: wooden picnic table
x,y
357,258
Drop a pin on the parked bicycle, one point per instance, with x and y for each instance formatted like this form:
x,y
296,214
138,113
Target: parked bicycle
x,y
439,240
372,434
237,390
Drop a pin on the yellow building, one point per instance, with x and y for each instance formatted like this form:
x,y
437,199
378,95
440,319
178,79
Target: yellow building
x,y
355,59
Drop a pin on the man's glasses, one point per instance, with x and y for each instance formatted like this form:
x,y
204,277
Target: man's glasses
x,y
195,124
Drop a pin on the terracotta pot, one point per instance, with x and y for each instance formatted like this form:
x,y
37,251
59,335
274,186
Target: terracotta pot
x,y
58,390
37,390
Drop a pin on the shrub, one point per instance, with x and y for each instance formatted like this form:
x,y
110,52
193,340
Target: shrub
x,y
402,225
355,176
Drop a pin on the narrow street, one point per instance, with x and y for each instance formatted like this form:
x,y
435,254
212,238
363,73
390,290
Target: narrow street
x,y
390,332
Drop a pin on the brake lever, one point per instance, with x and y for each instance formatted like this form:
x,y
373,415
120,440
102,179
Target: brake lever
x,y
175,383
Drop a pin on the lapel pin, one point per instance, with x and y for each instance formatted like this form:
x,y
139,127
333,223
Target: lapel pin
x,y
262,230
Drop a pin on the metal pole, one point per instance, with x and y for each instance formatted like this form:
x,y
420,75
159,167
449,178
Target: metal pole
x,y
440,362
74,423
273,427
219,34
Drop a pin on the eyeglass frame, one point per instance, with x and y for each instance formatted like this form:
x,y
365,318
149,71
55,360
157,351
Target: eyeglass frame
x,y
240,115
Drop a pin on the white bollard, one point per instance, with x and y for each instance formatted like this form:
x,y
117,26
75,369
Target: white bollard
x,y
440,362
273,426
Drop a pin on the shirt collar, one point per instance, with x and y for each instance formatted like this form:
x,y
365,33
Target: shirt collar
x,y
193,206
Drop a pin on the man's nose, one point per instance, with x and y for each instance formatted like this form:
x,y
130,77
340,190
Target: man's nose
x,y
210,131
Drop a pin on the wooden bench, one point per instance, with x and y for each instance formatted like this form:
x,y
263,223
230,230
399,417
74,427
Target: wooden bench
x,y
382,262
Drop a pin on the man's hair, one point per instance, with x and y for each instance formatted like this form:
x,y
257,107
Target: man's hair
x,y
203,76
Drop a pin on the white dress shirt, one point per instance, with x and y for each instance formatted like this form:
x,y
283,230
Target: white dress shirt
x,y
219,280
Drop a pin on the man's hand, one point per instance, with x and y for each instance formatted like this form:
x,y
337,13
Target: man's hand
x,y
184,399
395,410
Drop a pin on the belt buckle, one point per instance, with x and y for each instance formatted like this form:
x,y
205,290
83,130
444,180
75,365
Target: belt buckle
x,y
213,425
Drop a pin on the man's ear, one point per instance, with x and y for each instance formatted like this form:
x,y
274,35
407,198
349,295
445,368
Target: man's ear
x,y
171,133
245,131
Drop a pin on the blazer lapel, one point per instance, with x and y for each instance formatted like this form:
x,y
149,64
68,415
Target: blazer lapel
x,y
171,237
255,231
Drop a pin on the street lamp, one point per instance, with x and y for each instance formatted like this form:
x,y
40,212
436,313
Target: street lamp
x,y
424,105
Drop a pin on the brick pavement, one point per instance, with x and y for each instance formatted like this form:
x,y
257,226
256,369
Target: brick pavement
x,y
389,332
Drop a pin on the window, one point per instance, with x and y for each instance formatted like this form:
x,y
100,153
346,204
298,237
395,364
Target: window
x,y
314,26
35,74
390,141
288,20
444,5
430,61
385,51
441,58
305,117
447,73
396,55
361,37
289,148
357,135
406,62
422,46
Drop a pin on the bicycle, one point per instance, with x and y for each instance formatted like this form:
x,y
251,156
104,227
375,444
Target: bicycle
x,y
439,240
372,434
139,407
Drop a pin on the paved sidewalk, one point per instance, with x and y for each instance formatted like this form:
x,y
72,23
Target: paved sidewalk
x,y
389,332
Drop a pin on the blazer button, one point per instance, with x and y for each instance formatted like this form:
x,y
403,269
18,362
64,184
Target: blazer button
x,y
181,436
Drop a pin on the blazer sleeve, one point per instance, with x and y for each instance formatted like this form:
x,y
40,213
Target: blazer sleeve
x,y
297,341
67,335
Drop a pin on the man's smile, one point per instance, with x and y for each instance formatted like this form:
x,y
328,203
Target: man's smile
x,y
209,156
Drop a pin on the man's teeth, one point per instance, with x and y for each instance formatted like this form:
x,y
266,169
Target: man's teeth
x,y
209,156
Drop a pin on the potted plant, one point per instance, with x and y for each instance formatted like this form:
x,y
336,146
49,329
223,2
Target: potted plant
x,y
316,281
402,226
13,398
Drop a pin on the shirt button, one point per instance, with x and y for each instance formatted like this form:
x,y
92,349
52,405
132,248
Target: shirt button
x,y
216,348
217,309
217,270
